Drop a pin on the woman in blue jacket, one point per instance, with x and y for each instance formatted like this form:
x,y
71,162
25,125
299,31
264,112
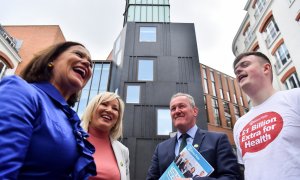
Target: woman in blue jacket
x,y
40,135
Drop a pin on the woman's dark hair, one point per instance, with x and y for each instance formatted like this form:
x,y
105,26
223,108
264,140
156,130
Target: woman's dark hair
x,y
37,70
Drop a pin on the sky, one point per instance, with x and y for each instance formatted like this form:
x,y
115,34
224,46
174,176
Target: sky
x,y
97,23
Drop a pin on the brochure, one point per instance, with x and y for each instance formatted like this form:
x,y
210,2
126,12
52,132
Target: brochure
x,y
188,164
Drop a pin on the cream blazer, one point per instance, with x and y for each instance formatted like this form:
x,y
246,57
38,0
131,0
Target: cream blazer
x,y
122,156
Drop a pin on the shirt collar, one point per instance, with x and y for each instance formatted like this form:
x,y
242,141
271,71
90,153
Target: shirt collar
x,y
191,132
51,91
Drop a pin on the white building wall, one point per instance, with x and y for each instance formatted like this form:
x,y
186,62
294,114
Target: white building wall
x,y
284,15
11,54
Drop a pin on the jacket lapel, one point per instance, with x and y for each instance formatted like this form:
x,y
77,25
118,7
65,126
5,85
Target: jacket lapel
x,y
199,136
119,157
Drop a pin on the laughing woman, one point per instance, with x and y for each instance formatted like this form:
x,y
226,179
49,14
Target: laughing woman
x,y
103,120
40,135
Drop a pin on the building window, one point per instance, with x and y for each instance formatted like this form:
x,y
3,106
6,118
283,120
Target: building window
x,y
205,107
164,122
292,82
147,34
97,83
259,7
237,112
213,83
145,70
216,112
227,114
271,32
241,100
2,68
282,56
248,36
133,94
205,89
151,11
220,86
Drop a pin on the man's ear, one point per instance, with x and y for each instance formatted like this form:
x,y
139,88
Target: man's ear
x,y
267,68
196,110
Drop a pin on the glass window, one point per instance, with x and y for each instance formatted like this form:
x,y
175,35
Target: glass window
x,y
143,13
164,122
149,13
145,70
147,34
133,94
161,14
2,68
259,6
220,86
104,78
155,13
216,112
205,107
97,83
282,56
271,31
241,100
292,82
130,16
237,112
205,88
227,114
213,83
137,13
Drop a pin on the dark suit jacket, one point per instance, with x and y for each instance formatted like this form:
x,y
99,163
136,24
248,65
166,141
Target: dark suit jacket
x,y
213,146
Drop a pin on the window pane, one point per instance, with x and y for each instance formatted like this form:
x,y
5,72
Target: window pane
x,y
161,14
137,13
149,13
147,34
155,13
133,94
145,70
143,14
104,78
164,122
130,16
167,14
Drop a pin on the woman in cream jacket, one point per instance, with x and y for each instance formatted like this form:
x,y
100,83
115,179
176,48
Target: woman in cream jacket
x,y
103,119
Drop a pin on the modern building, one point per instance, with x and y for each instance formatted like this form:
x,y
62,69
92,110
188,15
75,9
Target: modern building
x,y
34,38
152,60
224,101
273,28
9,57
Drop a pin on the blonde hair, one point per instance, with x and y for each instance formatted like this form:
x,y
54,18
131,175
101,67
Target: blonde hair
x,y
117,131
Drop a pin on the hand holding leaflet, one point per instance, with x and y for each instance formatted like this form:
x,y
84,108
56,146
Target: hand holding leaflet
x,y
188,164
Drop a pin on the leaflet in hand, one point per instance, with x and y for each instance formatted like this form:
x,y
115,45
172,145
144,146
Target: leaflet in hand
x,y
188,164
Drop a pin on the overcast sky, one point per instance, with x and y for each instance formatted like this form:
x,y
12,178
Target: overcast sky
x,y
97,23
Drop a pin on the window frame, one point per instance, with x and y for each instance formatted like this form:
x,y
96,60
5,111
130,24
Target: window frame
x,y
142,70
144,32
139,94
158,121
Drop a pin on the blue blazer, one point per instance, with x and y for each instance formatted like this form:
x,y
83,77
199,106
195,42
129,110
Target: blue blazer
x,y
213,146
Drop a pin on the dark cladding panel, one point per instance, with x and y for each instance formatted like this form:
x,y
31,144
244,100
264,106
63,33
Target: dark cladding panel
x,y
183,40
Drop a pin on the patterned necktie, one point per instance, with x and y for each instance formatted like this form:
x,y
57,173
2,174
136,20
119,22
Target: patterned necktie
x,y
183,141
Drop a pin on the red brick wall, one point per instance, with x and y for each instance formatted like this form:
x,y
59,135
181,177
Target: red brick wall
x,y
35,38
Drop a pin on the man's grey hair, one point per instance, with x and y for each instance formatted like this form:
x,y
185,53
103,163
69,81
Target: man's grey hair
x,y
190,98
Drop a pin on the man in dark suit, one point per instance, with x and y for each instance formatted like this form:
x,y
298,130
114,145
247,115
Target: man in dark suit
x,y
213,146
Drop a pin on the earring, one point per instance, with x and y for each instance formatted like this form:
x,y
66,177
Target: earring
x,y
50,65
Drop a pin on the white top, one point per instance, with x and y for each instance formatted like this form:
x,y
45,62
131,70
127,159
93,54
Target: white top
x,y
268,138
